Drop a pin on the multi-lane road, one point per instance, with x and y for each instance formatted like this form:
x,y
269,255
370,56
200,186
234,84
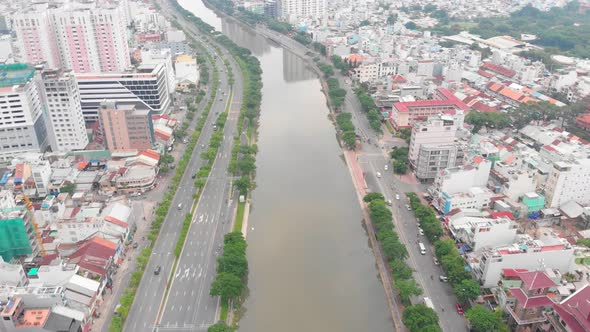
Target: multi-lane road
x,y
188,305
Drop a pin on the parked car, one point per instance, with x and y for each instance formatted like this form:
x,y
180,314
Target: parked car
x,y
157,270
459,309
386,167
420,230
443,278
435,261
397,196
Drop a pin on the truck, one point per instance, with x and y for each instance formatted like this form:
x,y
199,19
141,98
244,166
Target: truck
x,y
428,303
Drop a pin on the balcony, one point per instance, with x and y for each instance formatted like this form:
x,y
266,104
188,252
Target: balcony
x,y
530,318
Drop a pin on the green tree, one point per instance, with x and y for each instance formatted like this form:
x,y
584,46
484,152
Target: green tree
x,y
444,247
393,248
234,263
407,288
400,269
399,153
220,327
405,134
419,316
484,320
349,138
243,185
227,286
166,159
466,290
247,164
399,167
68,188
411,25
373,196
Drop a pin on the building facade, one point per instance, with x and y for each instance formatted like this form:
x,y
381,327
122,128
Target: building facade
x,y
65,111
23,125
83,37
292,10
568,181
146,87
125,127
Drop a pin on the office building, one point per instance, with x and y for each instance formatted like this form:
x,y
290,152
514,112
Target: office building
x,y
84,37
125,127
162,56
23,126
147,87
65,111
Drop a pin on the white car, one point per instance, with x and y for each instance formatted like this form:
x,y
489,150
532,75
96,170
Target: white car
x,y
378,175
397,196
420,230
386,167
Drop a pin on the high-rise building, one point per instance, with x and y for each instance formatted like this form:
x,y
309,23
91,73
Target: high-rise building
x,y
147,87
65,111
569,181
83,37
162,56
23,123
433,147
292,10
124,127
17,232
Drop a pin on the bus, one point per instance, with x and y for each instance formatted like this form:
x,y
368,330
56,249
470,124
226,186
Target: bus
x,y
422,248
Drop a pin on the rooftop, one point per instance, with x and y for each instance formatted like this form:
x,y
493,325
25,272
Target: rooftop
x,y
15,74
33,317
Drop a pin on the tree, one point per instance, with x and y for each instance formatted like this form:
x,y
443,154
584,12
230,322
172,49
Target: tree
x,y
220,327
405,134
488,119
247,164
466,290
392,248
407,288
419,316
234,263
227,285
243,185
399,167
399,153
484,320
349,138
68,188
411,25
444,247
400,269
391,19
364,23
166,159
373,196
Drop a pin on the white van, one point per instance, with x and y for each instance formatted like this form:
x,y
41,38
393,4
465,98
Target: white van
x,y
422,248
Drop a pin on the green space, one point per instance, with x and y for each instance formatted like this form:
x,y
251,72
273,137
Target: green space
x,y
566,29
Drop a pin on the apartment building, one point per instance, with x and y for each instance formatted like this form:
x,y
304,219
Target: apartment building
x,y
147,87
292,10
480,233
84,37
23,124
126,127
65,111
568,181
546,250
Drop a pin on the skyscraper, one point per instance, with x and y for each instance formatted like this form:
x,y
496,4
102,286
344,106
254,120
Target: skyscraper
x,y
83,37
125,127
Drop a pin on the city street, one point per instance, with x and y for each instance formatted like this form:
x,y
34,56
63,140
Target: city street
x,y
189,305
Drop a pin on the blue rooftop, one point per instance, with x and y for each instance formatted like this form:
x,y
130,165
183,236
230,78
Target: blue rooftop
x,y
15,74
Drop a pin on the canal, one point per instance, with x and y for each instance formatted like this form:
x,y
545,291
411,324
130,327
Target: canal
x,y
311,268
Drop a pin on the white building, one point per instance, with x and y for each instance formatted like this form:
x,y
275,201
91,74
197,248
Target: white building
x,y
146,87
65,111
23,125
569,181
175,36
480,233
459,180
36,42
186,69
163,56
6,51
41,170
549,251
477,198
12,274
372,70
293,10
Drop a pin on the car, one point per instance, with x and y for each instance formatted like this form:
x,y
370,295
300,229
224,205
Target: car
x,y
386,167
135,245
408,207
378,175
435,261
459,309
220,99
443,278
194,176
180,206
389,202
397,196
420,230
157,270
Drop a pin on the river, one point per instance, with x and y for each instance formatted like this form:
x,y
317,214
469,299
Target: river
x,y
311,268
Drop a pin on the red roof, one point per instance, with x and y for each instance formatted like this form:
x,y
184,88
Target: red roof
x,y
82,165
116,221
94,254
485,73
399,79
536,280
575,310
447,99
530,302
499,69
151,154
506,214
583,121
47,259
481,107
512,273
